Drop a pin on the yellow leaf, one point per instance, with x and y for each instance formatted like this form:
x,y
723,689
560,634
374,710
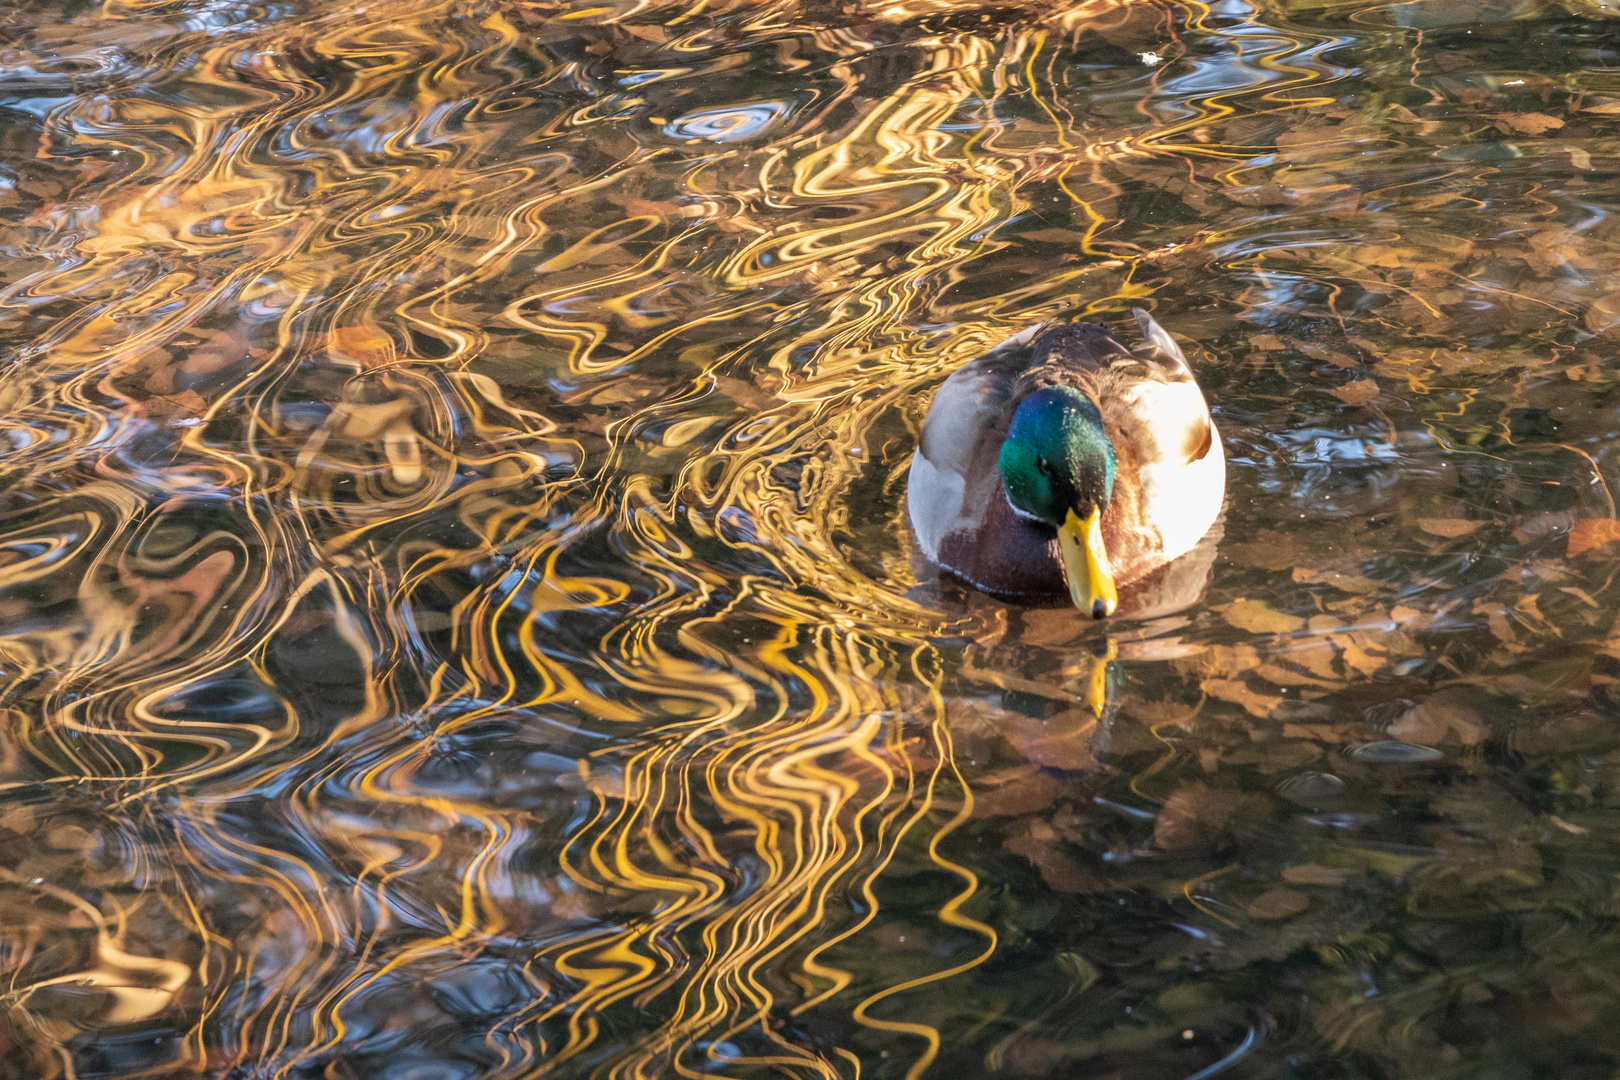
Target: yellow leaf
x,y
1357,658
363,344
1590,533
1255,617
1349,583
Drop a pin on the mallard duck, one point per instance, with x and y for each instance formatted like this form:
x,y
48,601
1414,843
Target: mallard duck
x,y
1062,461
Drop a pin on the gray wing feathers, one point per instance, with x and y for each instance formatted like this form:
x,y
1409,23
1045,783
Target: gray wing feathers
x,y
972,401
961,437
1159,347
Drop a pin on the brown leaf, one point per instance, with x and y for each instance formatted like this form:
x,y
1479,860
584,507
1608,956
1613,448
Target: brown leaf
x,y
1529,123
1604,314
1332,356
1058,870
184,405
1552,248
1589,533
1450,528
1436,718
217,350
1194,816
1278,904
1059,742
1267,194
1356,655
1239,693
1356,393
1022,791
647,208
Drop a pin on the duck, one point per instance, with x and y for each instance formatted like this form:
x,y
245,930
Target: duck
x,y
1064,462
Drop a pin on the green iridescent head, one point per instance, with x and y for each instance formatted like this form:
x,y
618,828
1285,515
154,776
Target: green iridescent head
x,y
1058,466
1057,457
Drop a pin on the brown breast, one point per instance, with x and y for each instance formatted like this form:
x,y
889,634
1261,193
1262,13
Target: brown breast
x,y
1012,556
1006,555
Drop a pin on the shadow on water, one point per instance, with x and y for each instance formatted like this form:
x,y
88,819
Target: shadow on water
x,y
458,613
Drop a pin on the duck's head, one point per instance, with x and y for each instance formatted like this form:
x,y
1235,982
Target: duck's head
x,y
1057,466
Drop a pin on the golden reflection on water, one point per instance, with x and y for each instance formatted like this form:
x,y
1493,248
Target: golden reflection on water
x,y
459,618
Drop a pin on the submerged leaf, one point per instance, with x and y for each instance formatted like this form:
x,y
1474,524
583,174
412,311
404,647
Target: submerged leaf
x,y
1437,717
1604,313
1589,533
1257,618
1195,816
1529,123
1450,528
1278,903
1239,692
362,344
1356,393
1058,870
187,404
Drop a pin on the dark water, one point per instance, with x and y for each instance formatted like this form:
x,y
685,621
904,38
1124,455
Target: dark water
x,y
457,617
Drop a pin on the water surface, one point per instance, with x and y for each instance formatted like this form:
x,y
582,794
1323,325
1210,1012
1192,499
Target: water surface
x,y
458,613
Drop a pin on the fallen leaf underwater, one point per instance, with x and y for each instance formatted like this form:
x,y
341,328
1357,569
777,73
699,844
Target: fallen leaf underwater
x,y
459,613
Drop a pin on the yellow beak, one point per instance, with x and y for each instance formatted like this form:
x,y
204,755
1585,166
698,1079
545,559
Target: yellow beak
x,y
1091,581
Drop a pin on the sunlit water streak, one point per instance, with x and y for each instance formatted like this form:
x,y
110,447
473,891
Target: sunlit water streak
x,y
459,618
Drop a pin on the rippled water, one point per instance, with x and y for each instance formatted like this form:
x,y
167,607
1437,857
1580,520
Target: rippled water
x,y
459,618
